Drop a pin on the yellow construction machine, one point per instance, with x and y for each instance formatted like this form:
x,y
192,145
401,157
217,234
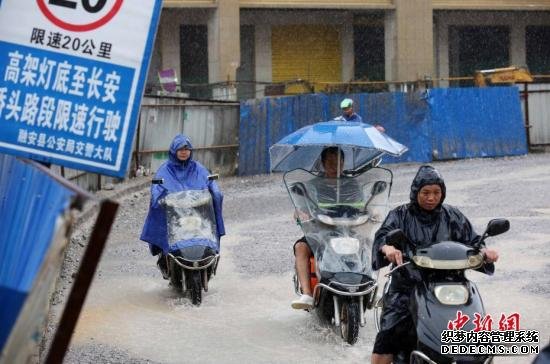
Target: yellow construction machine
x,y
507,75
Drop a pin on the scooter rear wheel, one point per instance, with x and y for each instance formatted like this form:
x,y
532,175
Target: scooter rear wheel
x,y
349,322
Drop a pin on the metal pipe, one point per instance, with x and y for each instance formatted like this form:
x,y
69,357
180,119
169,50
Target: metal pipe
x,y
343,293
539,91
356,285
86,271
336,311
136,152
183,281
362,320
212,259
396,268
422,356
194,148
204,275
153,106
526,107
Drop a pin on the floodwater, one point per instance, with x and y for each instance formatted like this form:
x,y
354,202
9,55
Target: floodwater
x,y
246,317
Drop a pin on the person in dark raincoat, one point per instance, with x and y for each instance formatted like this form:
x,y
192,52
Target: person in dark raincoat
x,y
179,173
425,220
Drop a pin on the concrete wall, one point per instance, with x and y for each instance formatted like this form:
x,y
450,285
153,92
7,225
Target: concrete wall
x,y
411,39
417,36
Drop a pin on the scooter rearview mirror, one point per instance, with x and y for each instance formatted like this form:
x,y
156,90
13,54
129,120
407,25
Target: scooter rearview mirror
x,y
378,187
157,181
298,188
396,238
497,226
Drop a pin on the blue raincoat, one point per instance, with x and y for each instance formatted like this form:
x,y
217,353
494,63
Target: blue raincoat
x,y
178,176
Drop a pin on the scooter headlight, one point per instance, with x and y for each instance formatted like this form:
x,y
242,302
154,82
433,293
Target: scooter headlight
x,y
345,245
423,261
451,294
325,219
476,260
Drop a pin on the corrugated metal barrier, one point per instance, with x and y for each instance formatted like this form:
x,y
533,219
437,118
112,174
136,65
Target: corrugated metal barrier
x,y
30,208
211,126
434,124
477,122
536,97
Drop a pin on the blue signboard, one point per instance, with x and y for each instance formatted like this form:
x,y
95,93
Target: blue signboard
x,y
71,79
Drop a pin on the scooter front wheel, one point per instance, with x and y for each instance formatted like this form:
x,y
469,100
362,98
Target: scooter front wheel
x,y
349,322
176,275
195,288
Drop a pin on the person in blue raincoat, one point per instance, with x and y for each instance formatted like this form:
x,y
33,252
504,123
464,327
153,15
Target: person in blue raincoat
x,y
347,112
179,173
349,115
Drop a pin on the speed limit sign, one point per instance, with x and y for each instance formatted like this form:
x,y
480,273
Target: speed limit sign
x,y
72,74
79,16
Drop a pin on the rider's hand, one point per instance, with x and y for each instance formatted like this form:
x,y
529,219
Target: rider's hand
x,y
490,255
392,254
380,128
301,215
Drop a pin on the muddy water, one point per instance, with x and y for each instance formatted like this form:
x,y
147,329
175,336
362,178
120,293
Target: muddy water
x,y
246,316
240,321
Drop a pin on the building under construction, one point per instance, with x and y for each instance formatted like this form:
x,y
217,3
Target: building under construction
x,y
260,42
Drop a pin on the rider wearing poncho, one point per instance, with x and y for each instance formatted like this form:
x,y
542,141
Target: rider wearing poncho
x,y
179,174
425,220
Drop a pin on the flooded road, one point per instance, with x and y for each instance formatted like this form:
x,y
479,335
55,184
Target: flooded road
x,y
132,315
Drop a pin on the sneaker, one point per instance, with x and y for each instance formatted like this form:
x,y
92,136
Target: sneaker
x,y
305,302
163,266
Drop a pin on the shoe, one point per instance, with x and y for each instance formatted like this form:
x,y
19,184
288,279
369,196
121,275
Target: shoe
x,y
163,266
305,302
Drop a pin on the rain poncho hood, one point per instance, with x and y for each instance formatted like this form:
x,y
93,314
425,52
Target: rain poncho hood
x,y
427,175
178,176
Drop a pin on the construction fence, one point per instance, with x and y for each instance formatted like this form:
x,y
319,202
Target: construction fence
x,y
435,123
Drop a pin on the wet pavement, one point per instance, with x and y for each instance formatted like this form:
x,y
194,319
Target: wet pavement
x,y
133,316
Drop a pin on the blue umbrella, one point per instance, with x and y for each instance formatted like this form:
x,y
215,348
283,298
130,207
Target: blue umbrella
x,y
360,142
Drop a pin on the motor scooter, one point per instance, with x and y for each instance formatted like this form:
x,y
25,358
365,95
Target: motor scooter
x,y
440,290
193,255
339,217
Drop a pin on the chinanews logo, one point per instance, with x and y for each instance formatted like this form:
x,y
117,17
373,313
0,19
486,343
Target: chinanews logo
x,y
483,340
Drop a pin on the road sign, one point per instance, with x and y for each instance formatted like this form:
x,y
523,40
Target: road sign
x,y
72,74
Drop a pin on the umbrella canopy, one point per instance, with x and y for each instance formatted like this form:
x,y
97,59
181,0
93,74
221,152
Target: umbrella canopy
x,y
360,142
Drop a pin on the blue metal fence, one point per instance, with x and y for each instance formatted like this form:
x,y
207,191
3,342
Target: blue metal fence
x,y
477,122
438,124
30,203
